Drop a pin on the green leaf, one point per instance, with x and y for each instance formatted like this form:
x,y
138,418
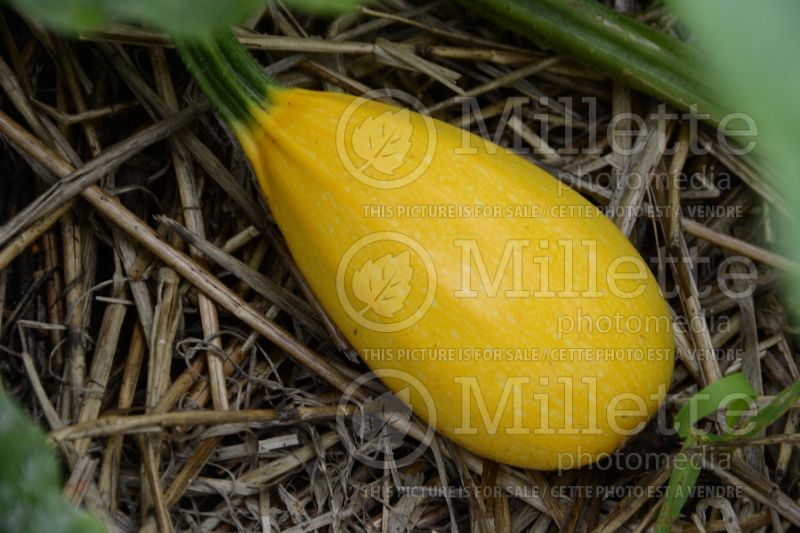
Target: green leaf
x,y
681,481
751,58
182,18
768,414
731,391
179,17
30,486
324,7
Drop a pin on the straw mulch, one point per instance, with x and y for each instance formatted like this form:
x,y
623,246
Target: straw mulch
x,y
112,164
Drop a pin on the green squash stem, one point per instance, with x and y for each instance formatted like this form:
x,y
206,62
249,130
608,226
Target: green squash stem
x,y
230,77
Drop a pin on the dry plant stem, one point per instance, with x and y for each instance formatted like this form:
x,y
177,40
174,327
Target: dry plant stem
x,y
336,336
165,326
332,77
341,30
506,79
166,320
744,168
739,246
75,487
55,305
110,470
158,370
70,71
676,166
257,254
202,154
135,265
79,249
703,350
336,61
76,350
631,504
202,453
621,107
238,353
579,505
554,508
26,237
190,470
263,475
101,365
786,449
92,495
440,30
748,523
103,359
539,145
701,231
756,486
247,484
182,384
192,216
64,191
739,198
153,478
110,208
84,116
270,290
409,59
205,449
149,423
264,511
189,377
648,518
233,244
17,63
632,185
510,479
16,93
122,34
750,360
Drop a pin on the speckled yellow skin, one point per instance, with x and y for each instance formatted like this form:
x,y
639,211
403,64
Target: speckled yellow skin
x,y
320,208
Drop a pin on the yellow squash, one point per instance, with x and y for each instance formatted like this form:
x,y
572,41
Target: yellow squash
x,y
527,317
511,313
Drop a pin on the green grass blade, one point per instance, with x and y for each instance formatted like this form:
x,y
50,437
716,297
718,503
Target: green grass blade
x,y
768,414
681,481
730,391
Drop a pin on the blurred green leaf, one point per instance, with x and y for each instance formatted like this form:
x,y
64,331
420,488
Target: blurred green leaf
x,y
731,391
182,18
30,485
324,7
751,58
